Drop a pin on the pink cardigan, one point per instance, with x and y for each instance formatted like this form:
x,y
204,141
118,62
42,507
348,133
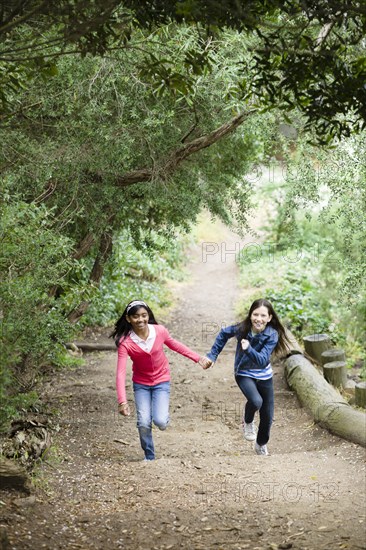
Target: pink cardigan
x,y
149,368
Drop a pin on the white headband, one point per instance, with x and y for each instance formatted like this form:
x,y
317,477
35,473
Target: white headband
x,y
135,303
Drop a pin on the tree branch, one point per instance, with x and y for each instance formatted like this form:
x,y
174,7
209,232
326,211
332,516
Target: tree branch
x,y
84,246
177,156
12,21
324,33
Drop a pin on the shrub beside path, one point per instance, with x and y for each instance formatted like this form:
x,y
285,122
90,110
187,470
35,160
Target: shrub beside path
x,y
207,489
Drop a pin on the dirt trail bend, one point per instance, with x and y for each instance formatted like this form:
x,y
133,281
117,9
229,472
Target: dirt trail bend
x,y
207,489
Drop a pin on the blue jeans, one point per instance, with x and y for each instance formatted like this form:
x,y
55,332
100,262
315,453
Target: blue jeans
x,y
152,405
260,397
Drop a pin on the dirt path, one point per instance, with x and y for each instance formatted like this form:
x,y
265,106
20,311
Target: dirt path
x,y
207,489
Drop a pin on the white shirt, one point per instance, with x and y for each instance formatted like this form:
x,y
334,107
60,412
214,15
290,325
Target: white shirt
x,y
147,344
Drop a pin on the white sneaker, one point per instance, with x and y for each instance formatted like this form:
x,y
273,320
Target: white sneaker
x,y
249,431
261,449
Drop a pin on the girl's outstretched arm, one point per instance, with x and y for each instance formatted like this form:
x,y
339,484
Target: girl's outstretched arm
x,y
179,347
221,339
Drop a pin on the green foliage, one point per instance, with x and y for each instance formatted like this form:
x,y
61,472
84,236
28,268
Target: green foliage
x,y
312,262
99,121
307,56
329,187
34,258
135,273
298,302
310,64
62,359
289,278
35,34
12,407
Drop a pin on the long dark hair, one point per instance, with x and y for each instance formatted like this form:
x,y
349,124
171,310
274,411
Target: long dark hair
x,y
122,328
283,345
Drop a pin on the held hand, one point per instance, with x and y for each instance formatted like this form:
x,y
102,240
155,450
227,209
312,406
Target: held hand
x,y
205,362
245,344
124,409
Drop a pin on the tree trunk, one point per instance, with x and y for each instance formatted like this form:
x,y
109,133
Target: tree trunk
x,y
360,395
330,355
84,246
326,404
105,251
315,344
78,311
335,373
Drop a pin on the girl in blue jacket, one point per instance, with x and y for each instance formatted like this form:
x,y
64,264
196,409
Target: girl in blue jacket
x,y
260,334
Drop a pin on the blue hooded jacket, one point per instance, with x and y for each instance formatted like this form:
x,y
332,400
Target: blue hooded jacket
x,y
258,354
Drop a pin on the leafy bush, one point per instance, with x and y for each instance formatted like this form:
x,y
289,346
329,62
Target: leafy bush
x,y
310,265
136,273
292,288
34,258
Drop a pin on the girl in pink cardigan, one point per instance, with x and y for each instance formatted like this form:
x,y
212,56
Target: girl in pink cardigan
x,y
138,335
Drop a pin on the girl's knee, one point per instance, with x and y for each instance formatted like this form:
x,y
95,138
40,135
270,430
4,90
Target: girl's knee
x,y
257,403
161,424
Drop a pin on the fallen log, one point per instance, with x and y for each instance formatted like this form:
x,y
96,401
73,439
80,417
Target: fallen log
x,y
13,476
293,345
326,404
91,346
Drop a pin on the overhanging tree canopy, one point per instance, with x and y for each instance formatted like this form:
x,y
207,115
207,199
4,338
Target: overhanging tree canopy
x,y
308,55
98,152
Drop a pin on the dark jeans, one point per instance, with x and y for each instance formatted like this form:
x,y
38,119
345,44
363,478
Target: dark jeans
x,y
260,397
